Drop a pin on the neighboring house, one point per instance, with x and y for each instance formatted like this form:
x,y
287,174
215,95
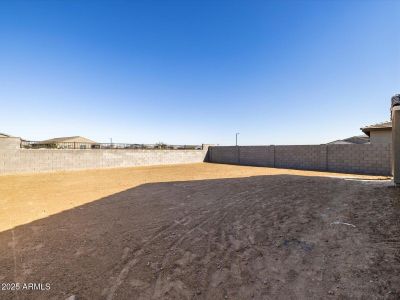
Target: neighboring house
x,y
4,135
380,133
9,142
71,142
359,139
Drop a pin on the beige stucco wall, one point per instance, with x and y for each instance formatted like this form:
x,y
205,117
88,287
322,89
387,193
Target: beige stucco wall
x,y
381,137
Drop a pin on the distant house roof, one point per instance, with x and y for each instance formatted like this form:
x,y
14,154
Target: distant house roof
x,y
379,126
4,135
359,139
69,139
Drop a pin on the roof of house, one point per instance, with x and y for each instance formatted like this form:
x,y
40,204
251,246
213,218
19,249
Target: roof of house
x,y
69,139
359,139
380,126
4,135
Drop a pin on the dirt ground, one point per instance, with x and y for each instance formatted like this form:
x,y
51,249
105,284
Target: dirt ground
x,y
200,231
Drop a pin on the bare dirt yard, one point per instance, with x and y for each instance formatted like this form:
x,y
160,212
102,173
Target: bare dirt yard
x,y
200,231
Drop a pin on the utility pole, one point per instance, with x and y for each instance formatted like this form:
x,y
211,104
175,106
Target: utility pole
x,y
237,133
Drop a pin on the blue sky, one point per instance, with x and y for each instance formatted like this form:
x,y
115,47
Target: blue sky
x,y
190,72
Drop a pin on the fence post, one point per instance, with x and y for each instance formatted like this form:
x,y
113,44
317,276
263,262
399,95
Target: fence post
x,y
326,158
273,163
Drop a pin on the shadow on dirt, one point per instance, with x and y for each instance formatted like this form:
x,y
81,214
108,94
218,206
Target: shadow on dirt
x,y
258,237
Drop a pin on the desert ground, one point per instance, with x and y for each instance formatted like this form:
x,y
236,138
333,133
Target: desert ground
x,y
199,231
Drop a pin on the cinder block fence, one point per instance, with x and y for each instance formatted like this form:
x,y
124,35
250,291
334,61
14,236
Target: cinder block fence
x,y
371,159
14,159
363,159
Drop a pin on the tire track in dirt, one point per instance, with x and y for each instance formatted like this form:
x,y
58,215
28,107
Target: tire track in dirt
x,y
134,260
157,292
233,246
222,208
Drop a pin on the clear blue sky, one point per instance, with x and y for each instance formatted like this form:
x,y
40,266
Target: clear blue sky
x,y
184,72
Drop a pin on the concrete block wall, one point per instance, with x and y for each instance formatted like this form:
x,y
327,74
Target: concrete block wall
x,y
14,161
224,154
257,155
361,159
308,157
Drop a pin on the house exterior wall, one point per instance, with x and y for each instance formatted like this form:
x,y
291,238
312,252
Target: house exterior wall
x,y
381,136
371,159
9,143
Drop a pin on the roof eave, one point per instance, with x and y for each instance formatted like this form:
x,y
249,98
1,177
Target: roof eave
x,y
367,130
